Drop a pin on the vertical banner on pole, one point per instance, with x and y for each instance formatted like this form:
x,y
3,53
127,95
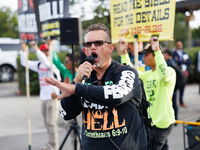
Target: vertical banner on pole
x,y
27,25
48,13
27,31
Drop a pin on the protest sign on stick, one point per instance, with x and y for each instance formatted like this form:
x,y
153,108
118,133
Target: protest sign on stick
x,y
48,13
27,31
142,17
27,25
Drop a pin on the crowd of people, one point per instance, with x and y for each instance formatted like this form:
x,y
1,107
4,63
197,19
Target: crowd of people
x,y
109,118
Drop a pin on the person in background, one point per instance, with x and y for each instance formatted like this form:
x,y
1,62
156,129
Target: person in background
x,y
159,83
180,77
82,57
110,121
130,50
48,93
183,60
65,69
198,68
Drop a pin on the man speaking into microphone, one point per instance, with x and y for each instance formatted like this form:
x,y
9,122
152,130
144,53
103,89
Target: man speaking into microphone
x,y
110,121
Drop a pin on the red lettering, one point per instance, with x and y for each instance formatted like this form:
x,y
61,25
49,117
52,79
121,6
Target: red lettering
x,y
27,36
160,28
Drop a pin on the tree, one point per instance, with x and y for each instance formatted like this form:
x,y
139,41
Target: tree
x,y
101,14
196,33
8,23
180,27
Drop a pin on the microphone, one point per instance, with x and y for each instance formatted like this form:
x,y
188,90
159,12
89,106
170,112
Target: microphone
x,y
91,60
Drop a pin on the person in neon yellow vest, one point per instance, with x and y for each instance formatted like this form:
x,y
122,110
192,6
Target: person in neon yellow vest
x,y
159,83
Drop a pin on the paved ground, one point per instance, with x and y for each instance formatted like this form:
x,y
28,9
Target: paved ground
x,y
14,126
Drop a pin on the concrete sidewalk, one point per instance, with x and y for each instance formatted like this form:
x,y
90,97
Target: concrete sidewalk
x,y
14,126
192,100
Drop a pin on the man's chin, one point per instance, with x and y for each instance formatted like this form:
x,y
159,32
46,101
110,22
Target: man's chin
x,y
98,64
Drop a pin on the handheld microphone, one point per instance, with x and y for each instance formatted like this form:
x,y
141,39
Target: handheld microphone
x,y
91,60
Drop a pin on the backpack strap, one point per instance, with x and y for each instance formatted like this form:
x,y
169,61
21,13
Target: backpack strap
x,y
140,105
38,65
136,103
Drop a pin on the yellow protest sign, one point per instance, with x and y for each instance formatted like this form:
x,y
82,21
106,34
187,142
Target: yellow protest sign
x,y
142,17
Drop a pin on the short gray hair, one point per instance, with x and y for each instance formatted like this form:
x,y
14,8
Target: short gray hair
x,y
99,26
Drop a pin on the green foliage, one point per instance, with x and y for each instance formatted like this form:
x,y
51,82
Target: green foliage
x,y
62,55
115,55
102,15
196,33
193,53
8,23
180,27
33,77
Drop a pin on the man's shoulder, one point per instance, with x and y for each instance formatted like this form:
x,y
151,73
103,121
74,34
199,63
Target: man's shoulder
x,y
122,66
118,67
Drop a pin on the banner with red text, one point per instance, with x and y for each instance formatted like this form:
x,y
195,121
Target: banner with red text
x,y
142,17
27,25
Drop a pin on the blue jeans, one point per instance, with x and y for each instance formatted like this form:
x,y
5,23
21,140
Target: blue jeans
x,y
175,105
181,92
158,138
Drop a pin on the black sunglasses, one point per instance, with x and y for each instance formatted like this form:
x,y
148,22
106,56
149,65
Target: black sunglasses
x,y
96,43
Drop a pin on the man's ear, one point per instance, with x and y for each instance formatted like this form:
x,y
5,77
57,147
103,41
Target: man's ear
x,y
84,50
112,47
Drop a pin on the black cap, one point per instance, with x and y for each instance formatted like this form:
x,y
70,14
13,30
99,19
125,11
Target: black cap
x,y
147,49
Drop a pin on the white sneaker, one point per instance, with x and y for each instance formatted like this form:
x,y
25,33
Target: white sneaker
x,y
47,147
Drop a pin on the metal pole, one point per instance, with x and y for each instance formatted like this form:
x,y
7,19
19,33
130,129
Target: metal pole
x,y
28,99
73,61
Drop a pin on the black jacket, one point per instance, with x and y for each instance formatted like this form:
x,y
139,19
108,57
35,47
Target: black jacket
x,y
107,112
181,79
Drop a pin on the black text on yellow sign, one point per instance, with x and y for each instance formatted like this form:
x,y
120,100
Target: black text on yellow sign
x,y
50,26
51,29
142,17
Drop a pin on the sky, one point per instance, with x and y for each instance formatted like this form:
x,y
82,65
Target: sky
x,y
13,5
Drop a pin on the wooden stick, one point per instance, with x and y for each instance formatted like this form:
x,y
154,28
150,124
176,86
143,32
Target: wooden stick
x,y
28,99
55,101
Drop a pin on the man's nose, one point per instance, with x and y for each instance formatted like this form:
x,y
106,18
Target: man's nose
x,y
93,46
